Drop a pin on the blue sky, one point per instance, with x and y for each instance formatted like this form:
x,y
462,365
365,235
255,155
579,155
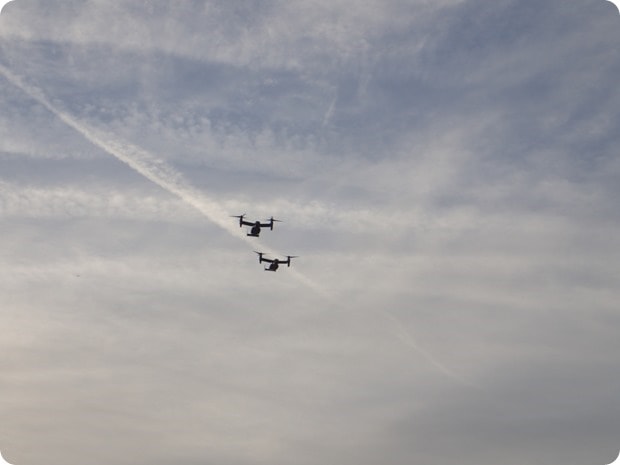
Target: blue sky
x,y
446,170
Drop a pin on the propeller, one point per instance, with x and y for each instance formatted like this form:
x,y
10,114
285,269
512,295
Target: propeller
x,y
273,220
240,218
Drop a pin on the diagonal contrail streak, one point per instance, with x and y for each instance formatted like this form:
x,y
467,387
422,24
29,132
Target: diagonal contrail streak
x,y
166,177
136,158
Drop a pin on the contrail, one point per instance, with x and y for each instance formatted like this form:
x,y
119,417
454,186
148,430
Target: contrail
x,y
141,161
166,177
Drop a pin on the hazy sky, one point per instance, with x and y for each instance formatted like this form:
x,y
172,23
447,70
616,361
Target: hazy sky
x,y
448,172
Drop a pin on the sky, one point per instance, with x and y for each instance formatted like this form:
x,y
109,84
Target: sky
x,y
447,172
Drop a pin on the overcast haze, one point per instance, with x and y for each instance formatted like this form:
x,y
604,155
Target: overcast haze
x,y
448,172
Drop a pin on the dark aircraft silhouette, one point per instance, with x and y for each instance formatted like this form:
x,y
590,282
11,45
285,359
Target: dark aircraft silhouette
x,y
274,263
256,225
